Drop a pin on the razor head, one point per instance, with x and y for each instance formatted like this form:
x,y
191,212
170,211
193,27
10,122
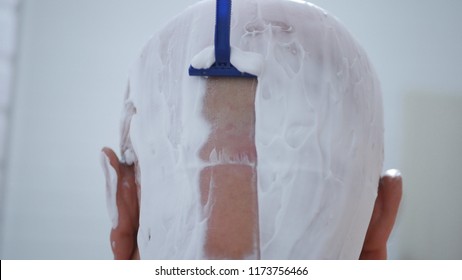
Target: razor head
x,y
220,70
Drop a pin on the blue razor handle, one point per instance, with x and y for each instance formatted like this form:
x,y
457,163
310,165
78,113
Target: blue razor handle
x,y
222,66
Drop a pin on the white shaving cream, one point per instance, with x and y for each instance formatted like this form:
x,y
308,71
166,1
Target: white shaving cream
x,y
318,131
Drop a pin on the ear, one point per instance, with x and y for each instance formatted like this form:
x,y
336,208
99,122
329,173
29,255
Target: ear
x,y
111,168
112,159
122,203
383,216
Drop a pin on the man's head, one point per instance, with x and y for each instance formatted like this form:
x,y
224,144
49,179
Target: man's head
x,y
318,132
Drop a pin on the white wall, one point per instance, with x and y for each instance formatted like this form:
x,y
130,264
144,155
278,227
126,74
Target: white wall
x,y
8,38
74,58
431,220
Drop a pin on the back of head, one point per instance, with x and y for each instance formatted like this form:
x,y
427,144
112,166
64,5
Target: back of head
x,y
318,131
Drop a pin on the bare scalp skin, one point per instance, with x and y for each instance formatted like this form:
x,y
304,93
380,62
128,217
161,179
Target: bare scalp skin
x,y
228,186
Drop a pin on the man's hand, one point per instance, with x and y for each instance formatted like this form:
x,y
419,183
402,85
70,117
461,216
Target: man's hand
x,y
383,217
124,191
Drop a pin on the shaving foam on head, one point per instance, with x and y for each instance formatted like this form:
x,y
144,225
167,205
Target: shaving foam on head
x,y
318,131
111,190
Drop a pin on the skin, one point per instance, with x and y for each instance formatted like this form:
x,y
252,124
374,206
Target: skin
x,y
229,190
123,237
383,218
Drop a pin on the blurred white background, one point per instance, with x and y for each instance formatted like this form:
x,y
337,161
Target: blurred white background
x,y
63,71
